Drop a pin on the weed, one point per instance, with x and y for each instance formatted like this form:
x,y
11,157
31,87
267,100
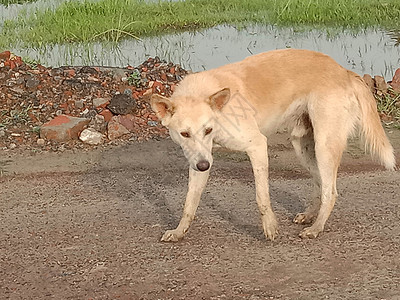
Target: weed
x,y
15,116
389,105
135,78
32,63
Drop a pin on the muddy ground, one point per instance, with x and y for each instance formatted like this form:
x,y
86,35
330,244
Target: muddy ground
x,y
87,224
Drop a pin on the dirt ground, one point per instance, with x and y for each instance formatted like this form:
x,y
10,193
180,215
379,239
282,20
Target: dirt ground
x,y
87,224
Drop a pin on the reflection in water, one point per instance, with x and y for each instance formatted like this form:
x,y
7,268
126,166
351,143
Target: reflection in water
x,y
395,35
12,11
372,51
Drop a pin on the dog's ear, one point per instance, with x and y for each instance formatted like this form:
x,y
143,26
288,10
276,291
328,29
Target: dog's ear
x,y
162,107
220,98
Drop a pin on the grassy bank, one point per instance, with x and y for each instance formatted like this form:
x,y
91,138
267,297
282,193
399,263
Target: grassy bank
x,y
8,2
114,19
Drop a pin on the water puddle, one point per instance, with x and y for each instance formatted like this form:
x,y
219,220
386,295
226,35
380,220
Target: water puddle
x,y
13,10
372,51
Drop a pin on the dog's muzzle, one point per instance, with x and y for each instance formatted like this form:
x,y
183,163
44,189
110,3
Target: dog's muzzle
x,y
203,165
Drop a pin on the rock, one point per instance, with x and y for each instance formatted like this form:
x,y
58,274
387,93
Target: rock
x,y
79,103
370,82
2,133
32,82
56,71
128,92
88,70
17,90
128,121
106,114
122,104
40,142
98,123
152,123
100,102
115,129
91,136
380,84
63,128
5,55
118,74
396,81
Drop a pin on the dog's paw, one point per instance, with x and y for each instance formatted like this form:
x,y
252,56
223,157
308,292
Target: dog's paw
x,y
172,236
309,233
303,218
270,226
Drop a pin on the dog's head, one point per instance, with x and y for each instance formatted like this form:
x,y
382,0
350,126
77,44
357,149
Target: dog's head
x,y
192,124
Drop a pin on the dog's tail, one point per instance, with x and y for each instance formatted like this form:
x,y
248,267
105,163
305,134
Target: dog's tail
x,y
372,131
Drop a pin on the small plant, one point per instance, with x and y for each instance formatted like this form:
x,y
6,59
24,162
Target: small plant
x,y
135,78
15,116
389,105
32,63
36,130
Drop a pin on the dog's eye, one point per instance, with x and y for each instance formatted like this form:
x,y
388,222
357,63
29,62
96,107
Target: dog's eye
x,y
185,134
207,131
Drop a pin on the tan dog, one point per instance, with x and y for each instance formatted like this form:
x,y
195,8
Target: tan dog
x,y
239,105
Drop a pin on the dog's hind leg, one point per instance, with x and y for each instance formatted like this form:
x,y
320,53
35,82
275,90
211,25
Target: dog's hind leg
x,y
259,160
197,183
332,125
304,146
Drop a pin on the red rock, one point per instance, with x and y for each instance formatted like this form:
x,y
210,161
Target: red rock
x,y
64,106
380,84
17,60
128,121
396,81
135,95
5,55
68,93
163,77
71,73
107,114
153,117
115,129
63,128
157,87
13,65
367,79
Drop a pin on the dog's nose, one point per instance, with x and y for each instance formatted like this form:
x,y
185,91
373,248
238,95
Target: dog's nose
x,y
203,165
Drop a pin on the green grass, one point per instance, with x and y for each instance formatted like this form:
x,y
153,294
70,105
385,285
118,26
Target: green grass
x,y
112,20
8,2
389,105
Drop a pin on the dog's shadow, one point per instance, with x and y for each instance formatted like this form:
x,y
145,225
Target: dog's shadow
x,y
286,204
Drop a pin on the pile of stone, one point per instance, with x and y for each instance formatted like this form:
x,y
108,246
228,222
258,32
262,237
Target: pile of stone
x,y
59,108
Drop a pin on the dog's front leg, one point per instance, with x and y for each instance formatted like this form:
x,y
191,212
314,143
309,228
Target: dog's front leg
x,y
197,183
259,160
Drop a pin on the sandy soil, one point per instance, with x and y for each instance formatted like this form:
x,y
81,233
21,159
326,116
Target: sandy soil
x,y
87,224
